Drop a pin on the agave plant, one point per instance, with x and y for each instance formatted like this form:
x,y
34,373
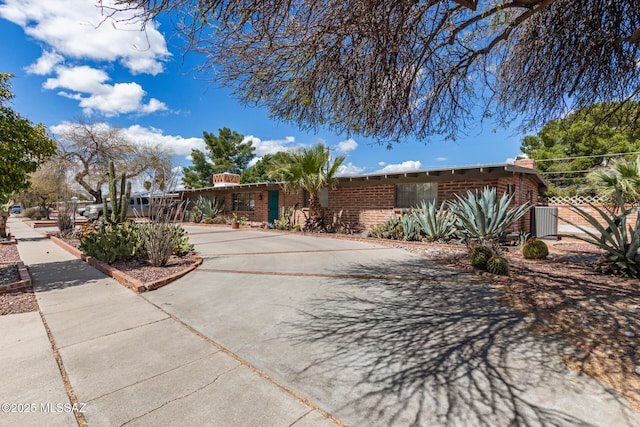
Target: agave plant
x,y
434,223
206,208
619,239
483,217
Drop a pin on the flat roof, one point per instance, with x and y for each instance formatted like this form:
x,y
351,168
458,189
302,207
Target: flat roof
x,y
469,172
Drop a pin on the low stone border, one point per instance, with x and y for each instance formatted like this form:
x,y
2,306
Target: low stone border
x,y
11,241
132,283
23,283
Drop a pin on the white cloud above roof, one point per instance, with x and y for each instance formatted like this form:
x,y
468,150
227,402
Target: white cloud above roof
x,y
409,165
79,29
349,169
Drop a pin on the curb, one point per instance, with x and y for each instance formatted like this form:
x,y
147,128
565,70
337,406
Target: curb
x,y
132,283
23,283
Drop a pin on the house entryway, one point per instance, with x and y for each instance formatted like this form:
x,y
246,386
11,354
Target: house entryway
x,y
274,200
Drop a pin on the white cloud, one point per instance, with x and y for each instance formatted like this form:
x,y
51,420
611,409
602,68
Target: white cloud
x,y
79,29
271,146
347,146
107,99
382,163
177,144
45,63
441,159
349,170
409,165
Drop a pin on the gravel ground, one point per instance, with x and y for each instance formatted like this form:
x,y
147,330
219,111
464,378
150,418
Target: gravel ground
x,y
14,302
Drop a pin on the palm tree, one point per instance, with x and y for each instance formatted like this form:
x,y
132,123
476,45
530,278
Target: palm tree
x,y
310,169
622,175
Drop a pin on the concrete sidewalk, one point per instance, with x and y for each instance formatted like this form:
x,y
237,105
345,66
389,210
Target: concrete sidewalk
x,y
128,362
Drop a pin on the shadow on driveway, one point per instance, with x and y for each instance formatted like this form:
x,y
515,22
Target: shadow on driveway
x,y
438,349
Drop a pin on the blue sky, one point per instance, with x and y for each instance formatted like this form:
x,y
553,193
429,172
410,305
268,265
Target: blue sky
x,y
67,67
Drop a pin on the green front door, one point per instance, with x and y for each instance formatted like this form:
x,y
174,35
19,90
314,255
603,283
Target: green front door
x,y
274,201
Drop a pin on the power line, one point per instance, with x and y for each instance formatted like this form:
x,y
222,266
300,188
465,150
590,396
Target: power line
x,y
588,157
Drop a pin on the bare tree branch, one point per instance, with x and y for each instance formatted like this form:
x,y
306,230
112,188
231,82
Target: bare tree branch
x,y
391,69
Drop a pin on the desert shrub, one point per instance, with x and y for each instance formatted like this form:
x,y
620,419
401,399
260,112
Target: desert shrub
x,y
390,229
35,212
535,249
498,265
286,220
65,224
479,255
483,217
113,242
161,239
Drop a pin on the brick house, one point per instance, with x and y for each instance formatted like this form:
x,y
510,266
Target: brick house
x,y
370,199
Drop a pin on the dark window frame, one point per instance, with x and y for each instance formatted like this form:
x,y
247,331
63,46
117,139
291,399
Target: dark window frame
x,y
243,202
410,195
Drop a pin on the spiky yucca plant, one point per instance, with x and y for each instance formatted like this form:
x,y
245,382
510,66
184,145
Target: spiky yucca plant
x,y
483,217
535,249
498,265
479,255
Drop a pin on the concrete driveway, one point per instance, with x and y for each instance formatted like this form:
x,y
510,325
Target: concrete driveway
x,y
378,336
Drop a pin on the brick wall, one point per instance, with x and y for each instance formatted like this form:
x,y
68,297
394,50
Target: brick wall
x,y
566,213
372,204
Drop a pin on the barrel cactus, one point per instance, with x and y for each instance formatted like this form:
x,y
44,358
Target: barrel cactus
x,y
479,255
535,249
498,265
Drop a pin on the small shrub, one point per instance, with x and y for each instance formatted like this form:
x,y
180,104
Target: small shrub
x,y
65,224
498,265
113,242
479,255
162,239
297,227
390,229
535,249
36,212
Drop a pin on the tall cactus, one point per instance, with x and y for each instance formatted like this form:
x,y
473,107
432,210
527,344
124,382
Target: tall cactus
x,y
120,205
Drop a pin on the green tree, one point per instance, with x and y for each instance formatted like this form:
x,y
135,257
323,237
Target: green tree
x,y
260,171
23,147
392,69
224,153
621,176
310,169
589,133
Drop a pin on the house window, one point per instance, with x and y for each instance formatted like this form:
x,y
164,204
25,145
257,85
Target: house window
x,y
511,189
243,202
323,195
411,195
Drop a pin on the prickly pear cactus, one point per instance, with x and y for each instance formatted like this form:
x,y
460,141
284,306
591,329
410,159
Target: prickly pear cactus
x,y
535,249
498,265
479,255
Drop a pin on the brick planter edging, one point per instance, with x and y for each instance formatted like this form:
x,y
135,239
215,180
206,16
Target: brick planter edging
x,y
132,283
23,283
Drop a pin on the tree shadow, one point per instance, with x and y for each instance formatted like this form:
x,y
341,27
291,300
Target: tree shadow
x,y
63,274
432,346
